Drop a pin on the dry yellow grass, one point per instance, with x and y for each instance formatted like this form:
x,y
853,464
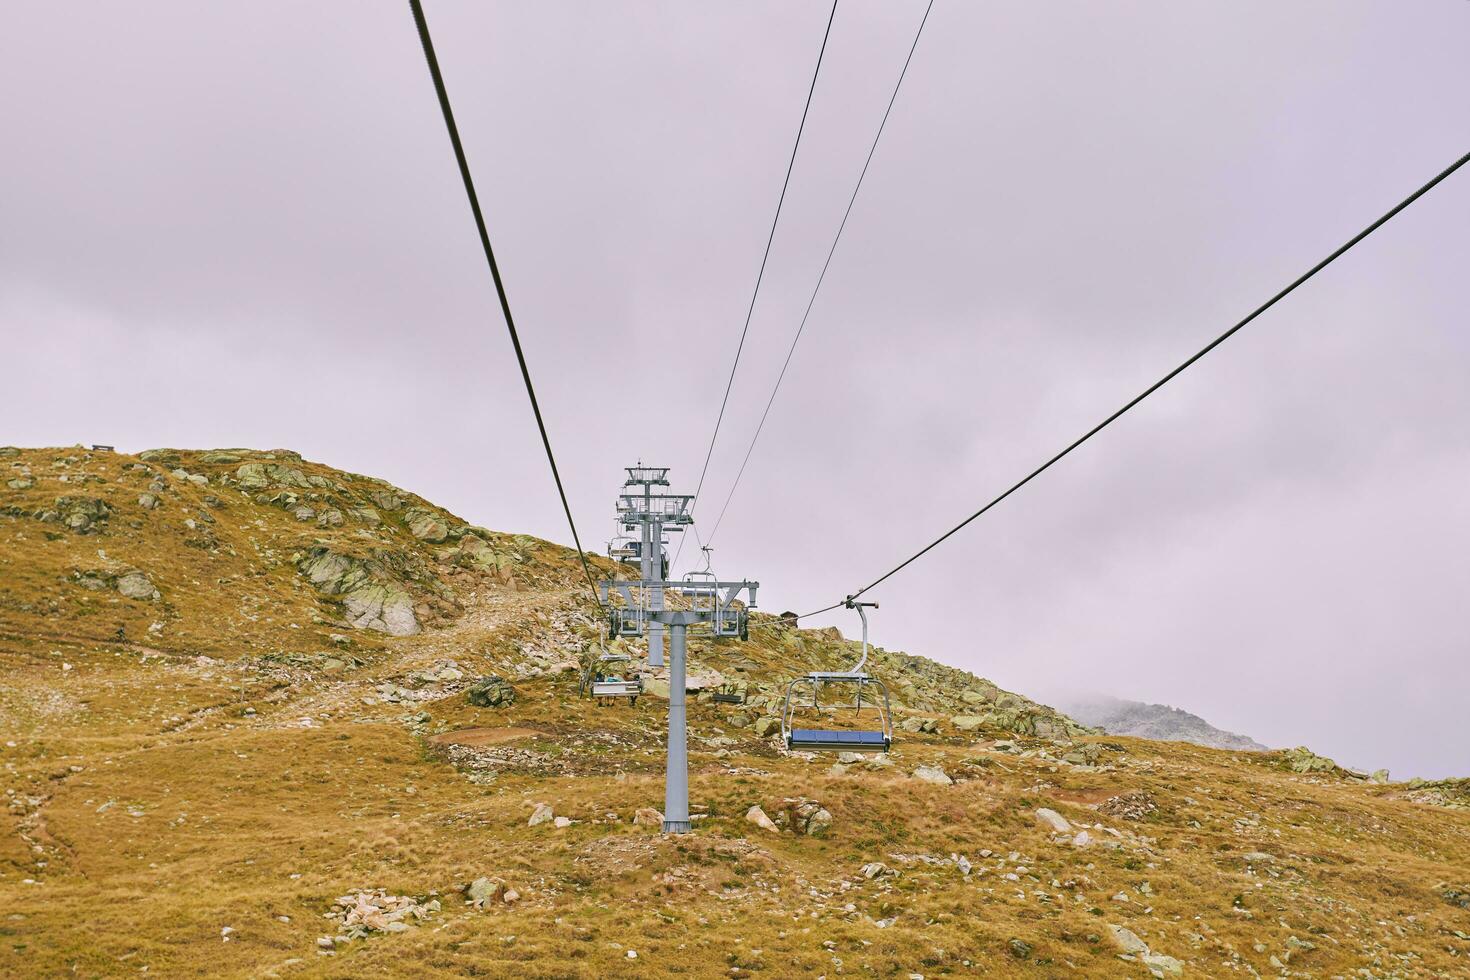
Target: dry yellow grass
x,y
157,798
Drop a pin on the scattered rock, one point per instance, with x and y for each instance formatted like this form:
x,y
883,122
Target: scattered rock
x,y
540,815
135,585
758,817
1127,940
648,817
1129,806
1086,754
1162,966
767,725
1020,950
933,774
1053,820
482,891
363,912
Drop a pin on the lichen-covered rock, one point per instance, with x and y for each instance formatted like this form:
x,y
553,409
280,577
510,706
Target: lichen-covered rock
x,y
219,456
803,816
1304,760
491,692
383,608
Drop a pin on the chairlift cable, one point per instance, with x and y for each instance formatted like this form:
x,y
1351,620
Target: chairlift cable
x,y
1337,253
823,275
469,187
771,237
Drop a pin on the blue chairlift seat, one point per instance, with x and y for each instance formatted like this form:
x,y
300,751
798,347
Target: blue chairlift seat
x,y
828,740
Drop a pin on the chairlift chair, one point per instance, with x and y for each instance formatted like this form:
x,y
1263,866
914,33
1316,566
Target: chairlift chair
x,y
729,694
879,739
602,684
699,586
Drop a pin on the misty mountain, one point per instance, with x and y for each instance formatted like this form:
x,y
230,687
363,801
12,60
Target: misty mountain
x,y
1117,716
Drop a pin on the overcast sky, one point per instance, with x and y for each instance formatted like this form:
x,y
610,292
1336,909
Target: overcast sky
x,y
241,225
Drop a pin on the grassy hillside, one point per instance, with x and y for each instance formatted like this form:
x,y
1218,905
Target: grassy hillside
x,y
238,742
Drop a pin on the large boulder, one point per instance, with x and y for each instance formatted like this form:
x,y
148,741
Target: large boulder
x,y
758,817
933,774
136,585
1053,821
490,692
803,816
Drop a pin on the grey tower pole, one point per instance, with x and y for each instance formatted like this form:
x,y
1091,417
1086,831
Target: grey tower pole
x,y
676,775
652,567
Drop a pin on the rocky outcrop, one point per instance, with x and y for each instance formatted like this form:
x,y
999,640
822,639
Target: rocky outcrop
x,y
259,476
369,596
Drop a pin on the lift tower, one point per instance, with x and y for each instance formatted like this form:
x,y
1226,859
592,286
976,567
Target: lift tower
x,y
713,607
651,514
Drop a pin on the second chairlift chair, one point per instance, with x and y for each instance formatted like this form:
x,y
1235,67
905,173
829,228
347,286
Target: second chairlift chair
x,y
878,739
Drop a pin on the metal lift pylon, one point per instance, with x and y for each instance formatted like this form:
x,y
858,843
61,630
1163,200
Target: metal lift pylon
x,y
651,514
715,607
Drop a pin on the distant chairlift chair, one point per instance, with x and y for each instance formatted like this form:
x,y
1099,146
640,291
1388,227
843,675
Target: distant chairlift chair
x,y
604,685
879,739
729,694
